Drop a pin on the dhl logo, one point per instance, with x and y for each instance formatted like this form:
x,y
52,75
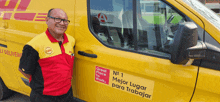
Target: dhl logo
x,y
10,5
48,50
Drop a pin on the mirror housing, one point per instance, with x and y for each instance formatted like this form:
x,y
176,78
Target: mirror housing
x,y
205,51
185,37
198,51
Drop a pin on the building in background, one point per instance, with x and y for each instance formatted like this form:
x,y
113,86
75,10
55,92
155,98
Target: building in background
x,y
212,4
149,5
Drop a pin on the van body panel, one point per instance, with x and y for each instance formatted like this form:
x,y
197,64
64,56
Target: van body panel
x,y
176,81
207,83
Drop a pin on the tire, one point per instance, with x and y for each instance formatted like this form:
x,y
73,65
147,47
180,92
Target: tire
x,y
4,91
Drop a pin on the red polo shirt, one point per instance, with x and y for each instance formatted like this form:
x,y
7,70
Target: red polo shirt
x,y
49,63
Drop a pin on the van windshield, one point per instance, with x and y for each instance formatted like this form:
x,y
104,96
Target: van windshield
x,y
206,12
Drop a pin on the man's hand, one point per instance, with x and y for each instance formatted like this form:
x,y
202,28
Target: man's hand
x,y
26,75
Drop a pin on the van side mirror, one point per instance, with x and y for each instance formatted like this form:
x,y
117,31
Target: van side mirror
x,y
185,37
205,51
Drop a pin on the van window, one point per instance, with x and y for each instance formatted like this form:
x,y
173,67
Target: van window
x,y
157,27
108,22
204,11
209,39
157,23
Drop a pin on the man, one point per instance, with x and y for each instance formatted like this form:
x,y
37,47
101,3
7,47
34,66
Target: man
x,y
47,61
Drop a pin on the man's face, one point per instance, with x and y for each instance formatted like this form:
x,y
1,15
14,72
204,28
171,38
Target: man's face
x,y
57,27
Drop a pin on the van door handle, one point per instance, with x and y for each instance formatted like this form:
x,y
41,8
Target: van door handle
x,y
87,54
5,25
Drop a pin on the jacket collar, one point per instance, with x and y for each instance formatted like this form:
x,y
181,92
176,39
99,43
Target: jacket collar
x,y
52,39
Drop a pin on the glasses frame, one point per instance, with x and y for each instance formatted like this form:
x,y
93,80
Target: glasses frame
x,y
64,20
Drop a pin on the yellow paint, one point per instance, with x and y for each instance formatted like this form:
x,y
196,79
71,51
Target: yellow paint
x,y
7,2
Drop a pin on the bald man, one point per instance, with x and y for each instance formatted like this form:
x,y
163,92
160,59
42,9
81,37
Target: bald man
x,y
47,61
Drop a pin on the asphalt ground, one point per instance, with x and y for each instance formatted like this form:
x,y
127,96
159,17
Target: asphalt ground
x,y
17,97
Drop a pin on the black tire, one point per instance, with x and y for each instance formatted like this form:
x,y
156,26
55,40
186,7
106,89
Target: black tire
x,y
4,91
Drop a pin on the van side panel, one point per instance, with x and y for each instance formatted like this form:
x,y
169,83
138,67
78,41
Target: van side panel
x,y
163,79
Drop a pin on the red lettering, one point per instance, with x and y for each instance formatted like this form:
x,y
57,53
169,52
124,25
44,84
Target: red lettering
x,y
7,16
12,53
16,54
9,7
48,51
23,5
24,16
42,13
8,52
20,54
1,50
5,51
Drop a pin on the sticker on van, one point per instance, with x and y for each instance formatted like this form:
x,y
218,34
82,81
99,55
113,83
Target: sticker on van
x,y
128,83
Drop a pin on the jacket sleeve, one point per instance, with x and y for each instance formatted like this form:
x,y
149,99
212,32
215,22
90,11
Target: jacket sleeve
x,y
29,60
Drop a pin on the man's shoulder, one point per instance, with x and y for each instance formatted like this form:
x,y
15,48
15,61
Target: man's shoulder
x,y
70,38
37,39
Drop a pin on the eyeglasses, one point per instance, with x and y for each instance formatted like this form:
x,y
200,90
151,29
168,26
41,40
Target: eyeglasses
x,y
58,20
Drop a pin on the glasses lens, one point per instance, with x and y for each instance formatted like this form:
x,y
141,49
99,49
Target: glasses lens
x,y
57,20
66,21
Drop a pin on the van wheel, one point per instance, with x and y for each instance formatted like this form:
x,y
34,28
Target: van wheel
x,y
4,91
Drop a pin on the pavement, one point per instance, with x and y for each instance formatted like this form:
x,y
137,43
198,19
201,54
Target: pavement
x,y
17,97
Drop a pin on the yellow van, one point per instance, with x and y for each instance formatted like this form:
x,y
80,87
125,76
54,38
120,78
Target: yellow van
x,y
126,50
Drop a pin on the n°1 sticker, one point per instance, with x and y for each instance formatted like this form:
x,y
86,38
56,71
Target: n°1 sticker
x,y
128,83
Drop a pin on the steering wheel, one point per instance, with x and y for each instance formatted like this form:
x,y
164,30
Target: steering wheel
x,y
170,19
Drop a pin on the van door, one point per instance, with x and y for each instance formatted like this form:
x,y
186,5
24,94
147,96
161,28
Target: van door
x,y
3,25
207,87
3,45
209,73
7,73
125,60
2,36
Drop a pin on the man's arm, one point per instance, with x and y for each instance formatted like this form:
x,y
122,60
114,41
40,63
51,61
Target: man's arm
x,y
26,75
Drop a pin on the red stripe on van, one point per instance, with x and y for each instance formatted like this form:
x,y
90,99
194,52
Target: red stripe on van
x,y
9,7
24,16
23,5
7,16
42,13
41,17
39,20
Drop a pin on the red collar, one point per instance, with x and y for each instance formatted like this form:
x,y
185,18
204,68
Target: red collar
x,y
52,39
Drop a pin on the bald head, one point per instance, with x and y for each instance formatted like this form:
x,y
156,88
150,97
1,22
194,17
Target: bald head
x,y
55,10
